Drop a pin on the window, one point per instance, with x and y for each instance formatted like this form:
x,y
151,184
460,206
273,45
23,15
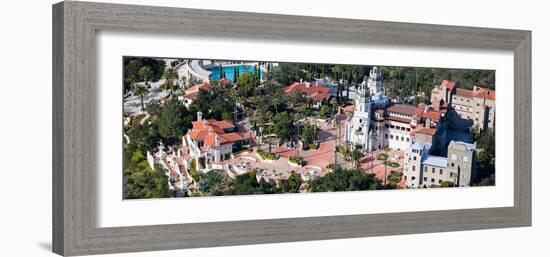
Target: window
x,y
425,179
407,139
433,170
405,177
414,158
433,180
425,168
386,136
452,164
413,178
414,168
440,181
408,129
360,120
440,171
386,125
402,139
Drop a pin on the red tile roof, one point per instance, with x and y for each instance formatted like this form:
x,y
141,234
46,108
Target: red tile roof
x,y
198,135
485,93
464,92
405,109
195,88
432,115
315,91
399,119
224,81
207,130
191,95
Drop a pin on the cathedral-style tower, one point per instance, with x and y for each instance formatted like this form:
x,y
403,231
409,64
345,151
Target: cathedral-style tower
x,y
358,127
370,96
375,82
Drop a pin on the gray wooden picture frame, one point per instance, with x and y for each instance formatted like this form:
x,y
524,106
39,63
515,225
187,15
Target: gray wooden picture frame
x,y
75,25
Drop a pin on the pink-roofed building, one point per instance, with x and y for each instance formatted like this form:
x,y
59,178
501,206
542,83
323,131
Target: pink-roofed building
x,y
212,141
316,92
192,92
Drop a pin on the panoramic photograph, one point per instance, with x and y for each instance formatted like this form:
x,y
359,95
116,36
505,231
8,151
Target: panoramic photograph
x,y
198,127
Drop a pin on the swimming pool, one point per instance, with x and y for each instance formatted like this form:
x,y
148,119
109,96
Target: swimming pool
x,y
230,71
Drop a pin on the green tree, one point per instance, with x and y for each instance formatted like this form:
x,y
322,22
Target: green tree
x,y
145,73
141,91
153,107
308,134
143,137
140,181
292,184
227,116
286,73
325,112
344,180
174,120
283,125
247,84
170,75
246,184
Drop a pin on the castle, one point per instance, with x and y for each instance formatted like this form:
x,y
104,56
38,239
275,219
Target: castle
x,y
436,138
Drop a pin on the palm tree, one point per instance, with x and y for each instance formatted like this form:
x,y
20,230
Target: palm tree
x,y
334,103
183,83
373,138
141,91
146,73
132,80
170,74
335,137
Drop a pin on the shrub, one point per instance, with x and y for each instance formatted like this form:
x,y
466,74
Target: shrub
x,y
268,156
394,178
394,164
382,157
297,159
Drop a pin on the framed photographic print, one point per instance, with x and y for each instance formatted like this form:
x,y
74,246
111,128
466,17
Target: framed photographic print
x,y
183,128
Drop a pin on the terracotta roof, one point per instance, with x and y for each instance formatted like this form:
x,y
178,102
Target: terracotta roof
x,y
464,92
224,81
195,88
432,115
191,96
448,84
207,130
210,140
315,91
405,109
223,124
485,93
198,135
398,119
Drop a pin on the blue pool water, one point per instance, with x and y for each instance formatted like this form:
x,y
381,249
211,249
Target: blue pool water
x,y
230,71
